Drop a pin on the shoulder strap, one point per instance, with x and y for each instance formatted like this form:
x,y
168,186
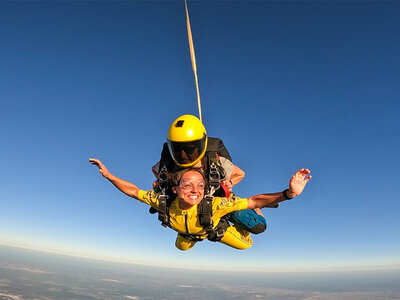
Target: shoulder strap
x,y
205,213
165,199
163,212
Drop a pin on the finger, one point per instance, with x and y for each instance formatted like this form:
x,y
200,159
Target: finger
x,y
94,161
304,171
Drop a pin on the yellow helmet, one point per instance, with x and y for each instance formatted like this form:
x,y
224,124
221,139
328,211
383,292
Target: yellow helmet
x,y
187,140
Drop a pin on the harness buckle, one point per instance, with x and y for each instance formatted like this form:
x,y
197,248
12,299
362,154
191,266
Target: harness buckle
x,y
163,177
163,214
214,176
218,232
205,212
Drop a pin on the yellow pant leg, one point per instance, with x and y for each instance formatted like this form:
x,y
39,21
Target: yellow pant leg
x,y
184,244
237,238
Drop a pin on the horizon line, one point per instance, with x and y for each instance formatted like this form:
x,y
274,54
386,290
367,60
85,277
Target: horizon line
x,y
282,269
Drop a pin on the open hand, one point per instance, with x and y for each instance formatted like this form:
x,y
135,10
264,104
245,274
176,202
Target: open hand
x,y
298,182
102,168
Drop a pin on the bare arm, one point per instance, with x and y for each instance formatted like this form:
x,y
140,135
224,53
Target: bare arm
x,y
126,187
296,186
236,176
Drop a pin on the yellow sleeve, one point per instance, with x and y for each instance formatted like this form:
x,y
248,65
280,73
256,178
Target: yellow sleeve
x,y
149,197
225,206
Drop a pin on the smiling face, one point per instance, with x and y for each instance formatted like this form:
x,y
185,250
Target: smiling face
x,y
190,189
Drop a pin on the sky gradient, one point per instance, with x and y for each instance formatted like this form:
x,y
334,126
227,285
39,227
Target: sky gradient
x,y
286,85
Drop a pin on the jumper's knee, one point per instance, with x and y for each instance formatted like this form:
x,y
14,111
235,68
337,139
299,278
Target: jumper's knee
x,y
184,244
259,228
237,238
249,220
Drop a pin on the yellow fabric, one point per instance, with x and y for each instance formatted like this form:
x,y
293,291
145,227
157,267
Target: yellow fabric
x,y
237,238
234,237
187,221
184,244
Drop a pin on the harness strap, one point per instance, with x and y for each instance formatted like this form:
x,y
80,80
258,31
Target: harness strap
x,y
163,212
218,232
165,198
205,213
214,183
214,235
215,170
191,237
215,174
163,177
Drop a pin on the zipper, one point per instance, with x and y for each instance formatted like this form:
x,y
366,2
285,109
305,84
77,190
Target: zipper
x,y
186,225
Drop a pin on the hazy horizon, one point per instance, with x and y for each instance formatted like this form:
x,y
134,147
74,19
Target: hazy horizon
x,y
282,269
33,273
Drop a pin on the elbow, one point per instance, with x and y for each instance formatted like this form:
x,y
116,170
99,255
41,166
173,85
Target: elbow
x,y
251,203
134,193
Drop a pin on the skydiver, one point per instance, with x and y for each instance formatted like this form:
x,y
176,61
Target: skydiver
x,y
189,188
189,146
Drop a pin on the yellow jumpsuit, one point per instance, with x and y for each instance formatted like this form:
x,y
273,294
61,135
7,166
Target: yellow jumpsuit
x,y
186,221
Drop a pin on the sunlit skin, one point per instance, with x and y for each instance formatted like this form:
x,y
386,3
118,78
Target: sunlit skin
x,y
190,197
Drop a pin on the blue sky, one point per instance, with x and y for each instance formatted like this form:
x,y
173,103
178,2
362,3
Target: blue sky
x,y
286,85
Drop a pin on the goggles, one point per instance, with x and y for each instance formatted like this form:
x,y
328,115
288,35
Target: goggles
x,y
187,153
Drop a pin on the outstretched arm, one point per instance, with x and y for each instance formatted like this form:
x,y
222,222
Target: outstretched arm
x,y
126,187
296,186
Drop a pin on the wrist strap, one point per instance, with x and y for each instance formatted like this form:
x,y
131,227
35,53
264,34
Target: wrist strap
x,y
285,195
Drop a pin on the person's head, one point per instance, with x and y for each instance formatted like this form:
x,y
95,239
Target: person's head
x,y
189,186
187,140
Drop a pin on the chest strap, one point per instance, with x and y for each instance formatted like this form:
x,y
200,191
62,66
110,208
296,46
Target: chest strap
x,y
205,213
163,211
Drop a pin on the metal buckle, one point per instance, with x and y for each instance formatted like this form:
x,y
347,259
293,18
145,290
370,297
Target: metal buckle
x,y
214,176
162,213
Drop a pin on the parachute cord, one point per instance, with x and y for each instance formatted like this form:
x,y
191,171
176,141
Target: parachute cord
x,y
192,55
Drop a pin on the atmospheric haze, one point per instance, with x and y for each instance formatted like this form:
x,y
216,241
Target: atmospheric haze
x,y
29,274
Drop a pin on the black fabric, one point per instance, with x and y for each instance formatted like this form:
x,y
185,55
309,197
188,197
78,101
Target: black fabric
x,y
218,232
205,213
259,228
217,145
191,237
